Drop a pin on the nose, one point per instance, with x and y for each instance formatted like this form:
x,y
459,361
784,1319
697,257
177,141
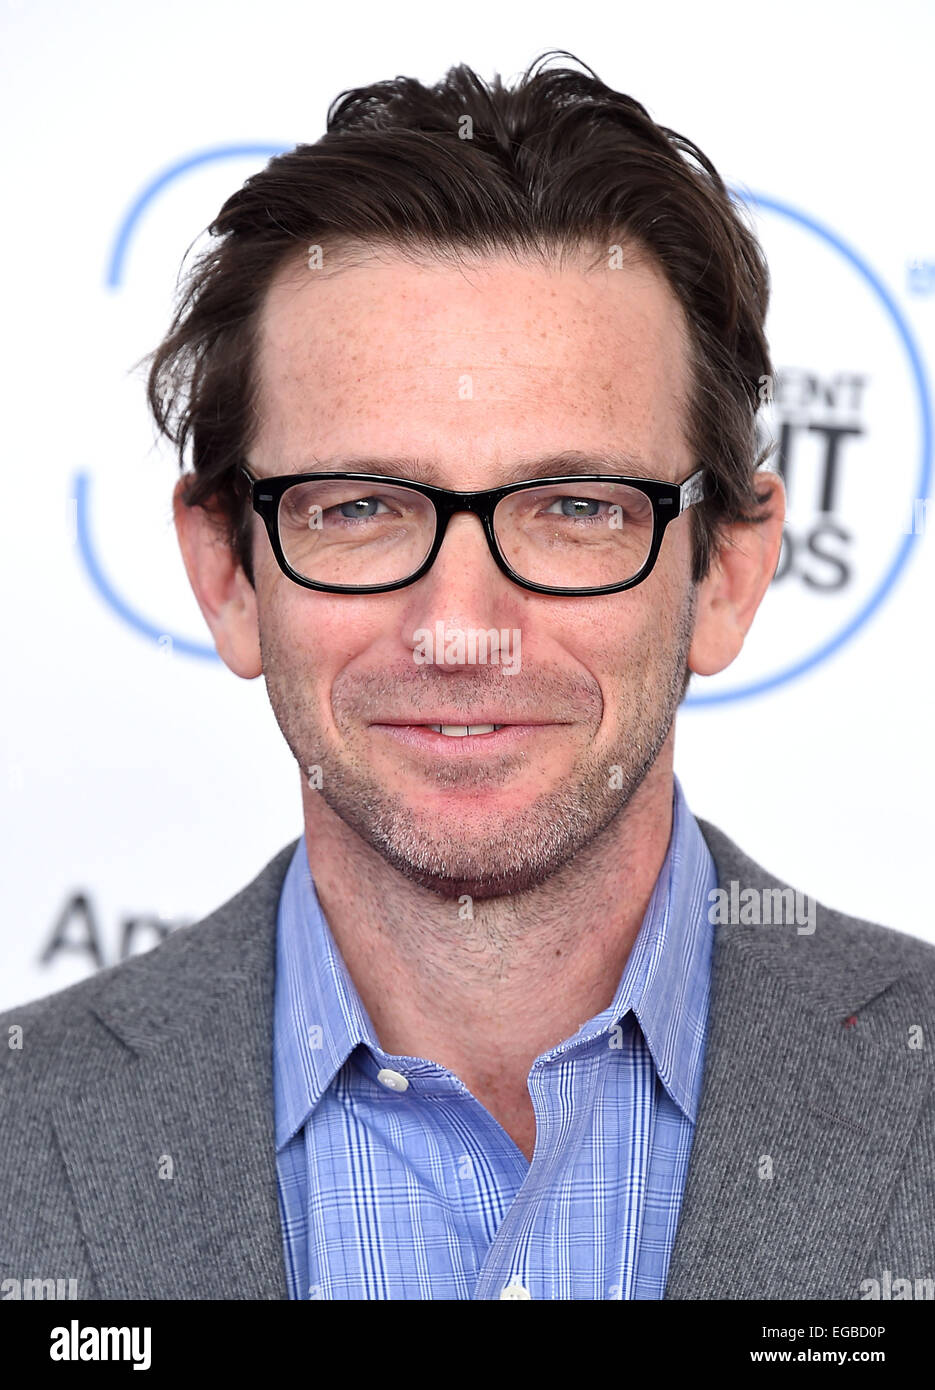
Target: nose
x,y
464,590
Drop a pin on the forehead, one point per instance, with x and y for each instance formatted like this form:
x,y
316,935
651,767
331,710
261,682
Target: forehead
x,y
470,365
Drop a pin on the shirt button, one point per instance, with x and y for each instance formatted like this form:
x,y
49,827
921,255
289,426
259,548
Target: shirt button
x,y
514,1291
392,1080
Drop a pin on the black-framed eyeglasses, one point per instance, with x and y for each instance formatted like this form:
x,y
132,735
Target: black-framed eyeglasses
x,y
592,533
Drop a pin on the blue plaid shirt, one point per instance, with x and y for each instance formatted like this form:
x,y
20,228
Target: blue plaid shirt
x,y
419,1193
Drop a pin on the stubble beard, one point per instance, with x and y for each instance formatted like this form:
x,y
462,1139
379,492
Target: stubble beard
x,y
526,848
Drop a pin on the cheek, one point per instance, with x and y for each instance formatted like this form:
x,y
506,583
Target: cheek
x,y
317,636
614,634
627,642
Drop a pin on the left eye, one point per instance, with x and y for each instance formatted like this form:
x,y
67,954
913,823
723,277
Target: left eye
x,y
576,506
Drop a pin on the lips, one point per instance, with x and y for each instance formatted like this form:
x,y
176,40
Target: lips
x,y
456,739
454,719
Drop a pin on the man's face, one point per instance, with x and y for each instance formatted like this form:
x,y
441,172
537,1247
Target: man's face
x,y
472,372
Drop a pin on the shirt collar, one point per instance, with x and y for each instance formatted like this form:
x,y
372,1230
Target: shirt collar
x,y
319,1017
666,980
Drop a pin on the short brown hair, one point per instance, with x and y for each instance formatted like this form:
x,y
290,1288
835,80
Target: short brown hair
x,y
555,162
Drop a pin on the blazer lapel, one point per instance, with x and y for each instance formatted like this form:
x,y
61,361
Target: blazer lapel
x,y
166,1132
809,1099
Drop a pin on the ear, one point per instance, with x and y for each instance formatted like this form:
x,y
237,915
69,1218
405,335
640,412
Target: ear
x,y
739,576
225,595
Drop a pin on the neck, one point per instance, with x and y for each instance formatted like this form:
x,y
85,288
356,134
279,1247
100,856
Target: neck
x,y
485,994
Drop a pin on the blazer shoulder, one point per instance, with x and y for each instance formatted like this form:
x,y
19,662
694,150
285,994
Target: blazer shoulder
x,y
235,937
834,951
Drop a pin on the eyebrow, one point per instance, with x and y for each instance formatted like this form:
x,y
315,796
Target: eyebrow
x,y
569,461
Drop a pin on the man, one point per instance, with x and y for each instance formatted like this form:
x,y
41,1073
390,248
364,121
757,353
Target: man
x,y
471,389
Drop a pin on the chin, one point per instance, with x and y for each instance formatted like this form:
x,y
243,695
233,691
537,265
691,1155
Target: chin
x,y
450,880
478,890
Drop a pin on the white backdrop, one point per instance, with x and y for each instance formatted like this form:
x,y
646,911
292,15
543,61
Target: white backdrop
x,y
143,782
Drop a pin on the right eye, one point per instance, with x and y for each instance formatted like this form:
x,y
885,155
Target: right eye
x,y
354,511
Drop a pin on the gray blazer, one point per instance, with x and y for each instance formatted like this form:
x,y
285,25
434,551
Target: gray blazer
x,y
812,1172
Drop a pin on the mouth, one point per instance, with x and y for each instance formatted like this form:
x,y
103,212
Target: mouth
x,y
444,737
462,730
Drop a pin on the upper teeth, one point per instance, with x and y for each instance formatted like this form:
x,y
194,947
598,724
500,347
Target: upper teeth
x,y
462,730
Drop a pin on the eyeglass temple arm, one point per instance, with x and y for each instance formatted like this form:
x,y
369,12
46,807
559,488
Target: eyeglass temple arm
x,y
691,491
